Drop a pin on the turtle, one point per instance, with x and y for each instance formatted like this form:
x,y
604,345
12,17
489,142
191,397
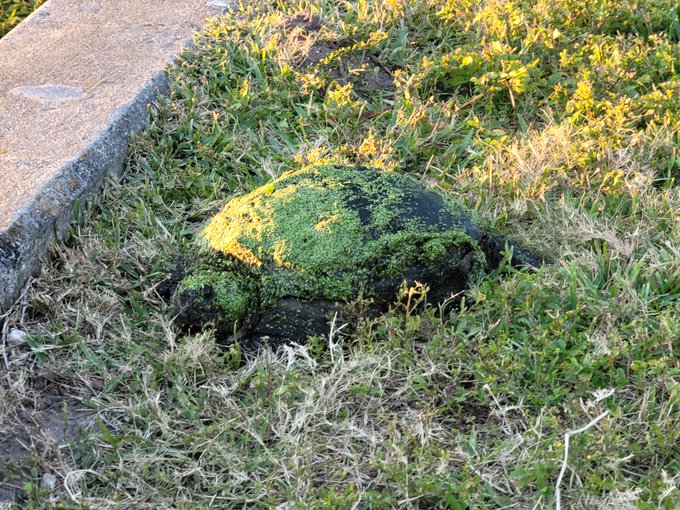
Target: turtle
x,y
277,263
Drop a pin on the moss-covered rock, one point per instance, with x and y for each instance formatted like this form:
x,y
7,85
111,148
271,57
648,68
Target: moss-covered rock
x,y
273,259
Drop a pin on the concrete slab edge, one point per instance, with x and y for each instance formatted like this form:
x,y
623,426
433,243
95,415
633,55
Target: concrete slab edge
x,y
35,227
39,224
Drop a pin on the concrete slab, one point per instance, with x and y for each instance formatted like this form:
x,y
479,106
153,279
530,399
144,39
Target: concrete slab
x,y
75,81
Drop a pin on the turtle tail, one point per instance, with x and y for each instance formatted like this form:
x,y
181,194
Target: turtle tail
x,y
494,247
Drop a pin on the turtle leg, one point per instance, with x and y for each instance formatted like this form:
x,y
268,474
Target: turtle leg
x,y
291,320
168,286
494,246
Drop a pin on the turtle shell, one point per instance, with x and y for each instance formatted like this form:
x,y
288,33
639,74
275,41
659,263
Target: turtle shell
x,y
276,263
332,232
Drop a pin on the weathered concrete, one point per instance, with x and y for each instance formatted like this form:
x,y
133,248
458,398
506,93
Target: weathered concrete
x,y
75,81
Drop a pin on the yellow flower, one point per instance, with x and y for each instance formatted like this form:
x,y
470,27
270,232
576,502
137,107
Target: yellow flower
x,y
340,96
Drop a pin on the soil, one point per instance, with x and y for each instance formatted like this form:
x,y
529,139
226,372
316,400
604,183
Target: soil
x,y
305,21
365,72
36,434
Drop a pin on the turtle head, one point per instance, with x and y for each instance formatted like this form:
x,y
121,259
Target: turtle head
x,y
225,299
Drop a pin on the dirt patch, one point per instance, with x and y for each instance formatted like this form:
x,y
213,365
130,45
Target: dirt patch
x,y
363,71
304,21
306,50
35,435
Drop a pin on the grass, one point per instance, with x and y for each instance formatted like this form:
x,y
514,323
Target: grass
x,y
13,11
556,121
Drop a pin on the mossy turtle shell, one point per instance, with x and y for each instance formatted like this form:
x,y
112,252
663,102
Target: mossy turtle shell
x,y
329,233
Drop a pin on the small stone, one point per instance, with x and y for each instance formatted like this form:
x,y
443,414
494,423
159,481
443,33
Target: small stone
x,y
16,337
221,5
48,481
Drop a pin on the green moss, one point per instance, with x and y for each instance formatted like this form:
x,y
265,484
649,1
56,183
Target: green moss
x,y
325,231
226,297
